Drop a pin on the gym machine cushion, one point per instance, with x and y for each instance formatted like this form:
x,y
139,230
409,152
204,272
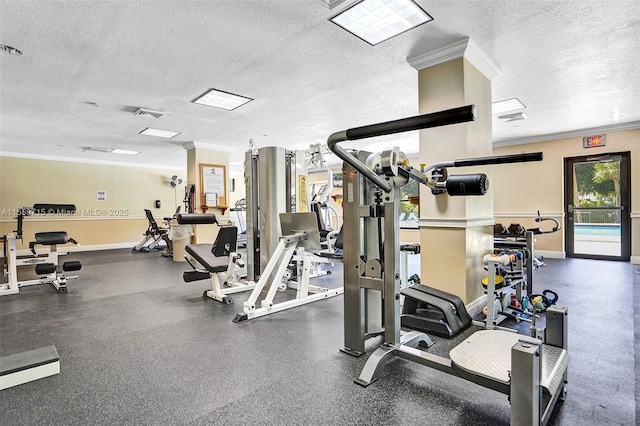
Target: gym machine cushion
x,y
50,238
433,311
196,219
45,269
215,258
44,208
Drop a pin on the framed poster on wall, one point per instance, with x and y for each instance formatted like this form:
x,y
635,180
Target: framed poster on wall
x,y
213,185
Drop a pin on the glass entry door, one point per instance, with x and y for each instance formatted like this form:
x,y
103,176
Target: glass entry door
x,y
597,207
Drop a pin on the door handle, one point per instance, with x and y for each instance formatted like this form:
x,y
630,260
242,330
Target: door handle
x,y
570,208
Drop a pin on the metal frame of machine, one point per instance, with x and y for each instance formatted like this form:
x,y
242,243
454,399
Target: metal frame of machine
x,y
276,181
533,373
298,243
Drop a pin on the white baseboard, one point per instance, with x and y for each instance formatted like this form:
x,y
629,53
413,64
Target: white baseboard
x,y
475,307
80,248
635,260
551,254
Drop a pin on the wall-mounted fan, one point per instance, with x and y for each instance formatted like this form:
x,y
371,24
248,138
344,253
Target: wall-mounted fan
x,y
175,181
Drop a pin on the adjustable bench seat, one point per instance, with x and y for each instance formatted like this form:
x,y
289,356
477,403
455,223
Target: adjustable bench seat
x,y
51,238
202,253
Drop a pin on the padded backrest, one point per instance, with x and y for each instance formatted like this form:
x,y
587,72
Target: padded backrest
x,y
51,238
152,221
317,209
225,241
44,208
339,244
196,219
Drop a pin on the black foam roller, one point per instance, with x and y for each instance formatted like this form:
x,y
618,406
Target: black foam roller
x,y
474,184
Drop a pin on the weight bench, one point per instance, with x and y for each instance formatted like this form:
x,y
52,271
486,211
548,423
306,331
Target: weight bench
x,y
152,236
219,262
28,366
46,266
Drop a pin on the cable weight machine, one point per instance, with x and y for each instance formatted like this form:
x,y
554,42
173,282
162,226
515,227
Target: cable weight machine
x,y
371,202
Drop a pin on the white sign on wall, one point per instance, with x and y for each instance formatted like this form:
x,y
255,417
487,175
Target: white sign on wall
x,y
102,195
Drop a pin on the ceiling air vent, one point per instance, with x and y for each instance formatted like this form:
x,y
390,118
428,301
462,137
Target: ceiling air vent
x,y
513,117
148,113
95,149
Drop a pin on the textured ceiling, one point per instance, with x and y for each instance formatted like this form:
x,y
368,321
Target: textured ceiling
x,y
87,65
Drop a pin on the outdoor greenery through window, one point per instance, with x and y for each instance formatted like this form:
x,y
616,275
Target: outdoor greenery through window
x,y
410,206
597,184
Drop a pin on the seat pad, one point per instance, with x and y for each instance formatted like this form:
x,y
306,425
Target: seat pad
x,y
202,253
50,238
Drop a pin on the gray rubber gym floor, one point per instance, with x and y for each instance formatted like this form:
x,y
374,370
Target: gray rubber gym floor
x,y
139,346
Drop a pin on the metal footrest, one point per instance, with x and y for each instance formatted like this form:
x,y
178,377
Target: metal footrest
x,y
485,358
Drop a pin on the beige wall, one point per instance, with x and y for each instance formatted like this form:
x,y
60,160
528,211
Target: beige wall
x,y
520,190
117,221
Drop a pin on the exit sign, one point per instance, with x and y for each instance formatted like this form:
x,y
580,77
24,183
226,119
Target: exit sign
x,y
593,141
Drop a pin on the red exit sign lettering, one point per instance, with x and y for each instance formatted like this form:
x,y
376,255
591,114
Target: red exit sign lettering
x,y
593,141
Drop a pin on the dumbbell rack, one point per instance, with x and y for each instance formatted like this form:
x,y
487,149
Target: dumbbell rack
x,y
524,242
515,279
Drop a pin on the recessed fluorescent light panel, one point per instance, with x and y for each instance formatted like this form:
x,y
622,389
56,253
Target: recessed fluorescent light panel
x,y
506,106
219,99
375,21
123,152
150,131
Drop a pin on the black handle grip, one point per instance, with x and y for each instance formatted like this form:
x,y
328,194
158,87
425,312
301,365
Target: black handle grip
x,y
499,159
435,119
476,184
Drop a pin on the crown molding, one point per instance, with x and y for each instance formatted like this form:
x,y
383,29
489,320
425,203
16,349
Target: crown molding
x,y
620,127
87,161
466,48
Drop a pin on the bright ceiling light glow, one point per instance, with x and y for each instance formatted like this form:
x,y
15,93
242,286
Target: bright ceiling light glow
x,y
123,151
219,99
506,106
375,21
150,131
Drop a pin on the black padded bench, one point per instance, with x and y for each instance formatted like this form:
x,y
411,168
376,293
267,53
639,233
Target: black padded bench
x,y
51,238
203,254
213,258
219,260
